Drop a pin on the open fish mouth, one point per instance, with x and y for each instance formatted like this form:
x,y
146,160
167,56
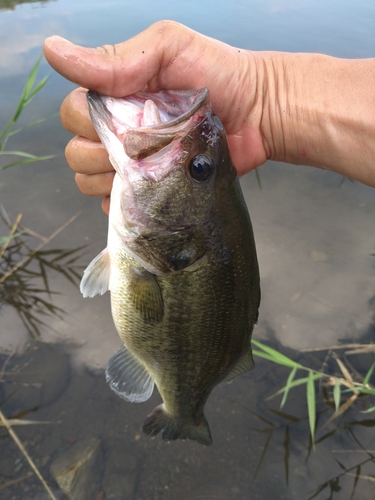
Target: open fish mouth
x,y
146,122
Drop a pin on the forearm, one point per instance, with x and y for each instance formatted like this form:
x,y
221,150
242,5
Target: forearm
x,y
320,111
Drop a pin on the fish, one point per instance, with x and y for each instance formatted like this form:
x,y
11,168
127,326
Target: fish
x,y
180,262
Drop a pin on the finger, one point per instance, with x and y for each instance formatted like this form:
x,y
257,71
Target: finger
x,y
74,114
105,205
87,157
127,67
95,184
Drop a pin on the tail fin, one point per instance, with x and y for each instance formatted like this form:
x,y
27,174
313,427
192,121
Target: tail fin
x,y
159,420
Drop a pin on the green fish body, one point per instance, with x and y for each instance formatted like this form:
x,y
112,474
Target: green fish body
x,y
180,262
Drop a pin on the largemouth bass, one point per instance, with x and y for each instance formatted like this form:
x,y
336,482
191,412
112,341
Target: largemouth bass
x,y
180,262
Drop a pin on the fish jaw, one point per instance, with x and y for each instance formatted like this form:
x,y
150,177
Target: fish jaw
x,y
139,125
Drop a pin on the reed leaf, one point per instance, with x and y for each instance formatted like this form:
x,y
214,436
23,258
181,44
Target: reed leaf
x,y
369,410
273,355
337,394
311,404
297,382
366,380
288,386
29,91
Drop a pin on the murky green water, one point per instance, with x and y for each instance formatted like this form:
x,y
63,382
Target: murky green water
x,y
315,237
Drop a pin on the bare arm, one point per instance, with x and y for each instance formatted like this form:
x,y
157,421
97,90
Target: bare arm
x,y
306,109
322,113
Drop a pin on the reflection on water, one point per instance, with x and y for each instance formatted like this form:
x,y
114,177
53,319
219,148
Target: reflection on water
x,y
315,243
12,4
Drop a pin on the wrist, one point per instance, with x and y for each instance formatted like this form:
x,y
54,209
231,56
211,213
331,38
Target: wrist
x,y
318,111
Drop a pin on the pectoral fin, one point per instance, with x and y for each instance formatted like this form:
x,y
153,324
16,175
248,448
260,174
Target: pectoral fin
x,y
245,364
95,278
128,377
146,295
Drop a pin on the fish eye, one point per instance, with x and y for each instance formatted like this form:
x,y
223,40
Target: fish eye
x,y
201,167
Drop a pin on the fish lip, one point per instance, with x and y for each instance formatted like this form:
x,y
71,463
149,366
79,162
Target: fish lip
x,y
199,98
141,142
96,104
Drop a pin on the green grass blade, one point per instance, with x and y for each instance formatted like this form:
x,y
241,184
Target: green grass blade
x,y
274,355
287,362
27,160
31,78
368,375
297,382
369,410
29,90
5,239
310,395
364,390
37,88
257,175
288,385
337,394
21,153
5,130
32,124
28,93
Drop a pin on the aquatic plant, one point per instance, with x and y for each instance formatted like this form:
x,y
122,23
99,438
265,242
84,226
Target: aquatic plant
x,y
24,271
344,385
29,91
24,276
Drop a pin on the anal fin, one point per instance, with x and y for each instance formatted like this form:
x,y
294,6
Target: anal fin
x,y
128,377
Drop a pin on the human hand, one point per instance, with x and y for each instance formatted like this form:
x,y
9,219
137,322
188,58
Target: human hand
x,y
167,55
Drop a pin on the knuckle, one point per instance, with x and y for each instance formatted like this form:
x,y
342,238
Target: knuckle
x,y
109,50
166,27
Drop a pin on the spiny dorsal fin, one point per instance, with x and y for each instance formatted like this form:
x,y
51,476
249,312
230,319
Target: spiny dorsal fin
x,y
128,377
95,278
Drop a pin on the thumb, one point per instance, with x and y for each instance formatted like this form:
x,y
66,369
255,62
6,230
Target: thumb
x,y
124,68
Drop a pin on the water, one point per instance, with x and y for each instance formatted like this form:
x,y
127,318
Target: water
x,y
315,237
